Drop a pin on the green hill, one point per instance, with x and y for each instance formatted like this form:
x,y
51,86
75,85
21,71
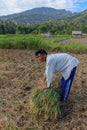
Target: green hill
x,y
38,15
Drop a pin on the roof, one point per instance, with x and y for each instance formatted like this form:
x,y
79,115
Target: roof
x,y
76,32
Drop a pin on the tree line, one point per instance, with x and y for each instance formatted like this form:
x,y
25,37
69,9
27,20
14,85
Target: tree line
x,y
54,27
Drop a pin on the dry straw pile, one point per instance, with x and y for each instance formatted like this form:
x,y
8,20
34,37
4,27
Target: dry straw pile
x,y
44,104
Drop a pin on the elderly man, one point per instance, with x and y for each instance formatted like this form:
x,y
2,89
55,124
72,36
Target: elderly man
x,y
61,62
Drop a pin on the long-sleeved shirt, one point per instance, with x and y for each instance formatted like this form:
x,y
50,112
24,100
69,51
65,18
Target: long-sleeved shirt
x,y
62,62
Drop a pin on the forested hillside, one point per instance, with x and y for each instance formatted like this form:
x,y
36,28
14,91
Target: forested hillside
x,y
37,15
62,26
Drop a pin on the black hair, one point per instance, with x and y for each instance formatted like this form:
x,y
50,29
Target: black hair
x,y
41,52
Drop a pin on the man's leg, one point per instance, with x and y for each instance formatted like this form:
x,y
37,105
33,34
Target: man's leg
x,y
66,85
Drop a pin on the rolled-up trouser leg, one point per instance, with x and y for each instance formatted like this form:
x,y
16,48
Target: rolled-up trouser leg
x,y
66,85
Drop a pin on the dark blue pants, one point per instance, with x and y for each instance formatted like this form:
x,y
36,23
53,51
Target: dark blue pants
x,y
66,85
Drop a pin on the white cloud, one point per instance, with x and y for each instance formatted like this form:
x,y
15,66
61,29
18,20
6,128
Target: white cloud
x,y
14,6
9,7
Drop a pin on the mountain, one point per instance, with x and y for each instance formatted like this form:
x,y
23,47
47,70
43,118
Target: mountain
x,y
38,15
80,17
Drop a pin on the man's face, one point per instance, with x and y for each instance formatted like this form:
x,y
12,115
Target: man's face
x,y
41,58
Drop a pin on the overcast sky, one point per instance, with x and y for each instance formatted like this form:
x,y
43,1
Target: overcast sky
x,y
16,6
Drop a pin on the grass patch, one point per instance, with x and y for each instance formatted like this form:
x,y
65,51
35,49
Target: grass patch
x,y
17,41
59,38
72,47
22,42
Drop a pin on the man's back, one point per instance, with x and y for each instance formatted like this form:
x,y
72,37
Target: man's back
x,y
61,62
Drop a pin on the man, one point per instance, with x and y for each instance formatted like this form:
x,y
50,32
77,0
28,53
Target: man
x,y
63,63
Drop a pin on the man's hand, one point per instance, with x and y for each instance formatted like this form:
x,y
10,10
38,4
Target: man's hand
x,y
42,84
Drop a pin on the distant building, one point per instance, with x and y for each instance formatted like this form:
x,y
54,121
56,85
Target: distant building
x,y
77,34
47,33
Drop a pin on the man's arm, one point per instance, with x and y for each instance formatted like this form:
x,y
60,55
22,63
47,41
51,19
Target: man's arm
x,y
47,79
43,83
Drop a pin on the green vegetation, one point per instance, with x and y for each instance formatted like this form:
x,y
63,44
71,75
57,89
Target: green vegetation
x,y
44,104
72,47
54,26
21,42
52,42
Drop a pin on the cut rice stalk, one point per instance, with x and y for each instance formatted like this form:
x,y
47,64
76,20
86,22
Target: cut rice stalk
x,y
45,103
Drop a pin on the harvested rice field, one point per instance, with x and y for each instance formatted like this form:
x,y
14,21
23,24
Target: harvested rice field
x,y
19,73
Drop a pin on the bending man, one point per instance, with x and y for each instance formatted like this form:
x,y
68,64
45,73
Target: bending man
x,y
63,63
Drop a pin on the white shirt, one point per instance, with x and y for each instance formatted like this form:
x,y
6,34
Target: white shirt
x,y
63,62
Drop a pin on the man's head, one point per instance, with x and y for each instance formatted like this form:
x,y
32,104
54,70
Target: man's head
x,y
41,55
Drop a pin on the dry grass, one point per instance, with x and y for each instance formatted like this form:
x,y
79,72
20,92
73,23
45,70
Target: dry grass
x,y
5,124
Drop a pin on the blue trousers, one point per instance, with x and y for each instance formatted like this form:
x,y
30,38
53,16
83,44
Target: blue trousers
x,y
66,85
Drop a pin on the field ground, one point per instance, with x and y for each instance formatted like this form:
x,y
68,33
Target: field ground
x,y
20,70
78,40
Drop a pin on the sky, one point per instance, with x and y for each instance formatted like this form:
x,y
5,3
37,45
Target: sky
x,y
15,6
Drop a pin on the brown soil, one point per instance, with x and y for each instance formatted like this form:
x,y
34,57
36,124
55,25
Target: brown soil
x,y
19,71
